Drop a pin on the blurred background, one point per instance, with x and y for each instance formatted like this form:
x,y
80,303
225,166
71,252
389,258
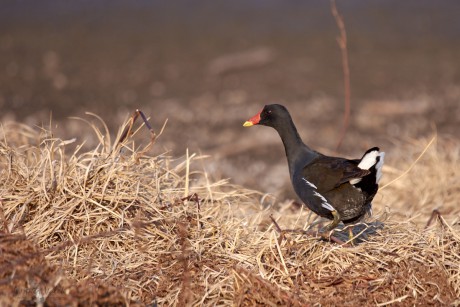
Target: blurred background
x,y
208,66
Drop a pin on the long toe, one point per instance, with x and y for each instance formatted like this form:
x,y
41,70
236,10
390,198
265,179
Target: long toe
x,y
351,237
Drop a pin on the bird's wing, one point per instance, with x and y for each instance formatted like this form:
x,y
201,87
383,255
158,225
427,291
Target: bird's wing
x,y
308,192
328,173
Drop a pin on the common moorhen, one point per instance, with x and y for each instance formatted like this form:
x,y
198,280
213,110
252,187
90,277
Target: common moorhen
x,y
335,188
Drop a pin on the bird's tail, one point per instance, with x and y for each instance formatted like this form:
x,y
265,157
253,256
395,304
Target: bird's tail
x,y
372,160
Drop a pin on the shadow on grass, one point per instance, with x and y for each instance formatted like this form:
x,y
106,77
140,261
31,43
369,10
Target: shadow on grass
x,y
361,232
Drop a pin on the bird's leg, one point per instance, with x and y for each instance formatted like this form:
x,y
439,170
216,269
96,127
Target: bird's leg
x,y
334,222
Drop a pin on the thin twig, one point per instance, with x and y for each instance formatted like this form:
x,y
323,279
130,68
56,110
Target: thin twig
x,y
278,228
435,215
128,131
342,41
411,166
128,128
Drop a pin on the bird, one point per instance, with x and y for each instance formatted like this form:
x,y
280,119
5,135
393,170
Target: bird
x,y
335,188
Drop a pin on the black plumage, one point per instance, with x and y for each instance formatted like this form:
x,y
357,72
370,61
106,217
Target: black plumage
x,y
335,188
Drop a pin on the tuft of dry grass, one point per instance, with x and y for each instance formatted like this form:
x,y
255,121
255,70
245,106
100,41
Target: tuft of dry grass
x,y
115,225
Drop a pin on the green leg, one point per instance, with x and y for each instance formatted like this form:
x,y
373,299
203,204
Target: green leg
x,y
334,222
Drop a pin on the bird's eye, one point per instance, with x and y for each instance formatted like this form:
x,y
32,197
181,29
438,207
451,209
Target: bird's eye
x,y
269,111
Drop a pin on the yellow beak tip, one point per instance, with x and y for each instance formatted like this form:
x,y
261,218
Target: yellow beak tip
x,y
248,124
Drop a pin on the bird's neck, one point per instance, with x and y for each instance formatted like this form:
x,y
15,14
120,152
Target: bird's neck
x,y
297,153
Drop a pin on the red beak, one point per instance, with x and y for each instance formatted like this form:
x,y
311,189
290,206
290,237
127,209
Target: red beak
x,y
253,120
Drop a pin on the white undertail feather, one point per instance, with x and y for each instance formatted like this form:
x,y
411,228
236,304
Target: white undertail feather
x,y
324,202
379,166
369,160
355,181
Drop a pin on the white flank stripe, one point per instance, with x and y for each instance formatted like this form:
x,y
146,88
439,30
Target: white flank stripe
x,y
368,160
379,166
310,184
324,202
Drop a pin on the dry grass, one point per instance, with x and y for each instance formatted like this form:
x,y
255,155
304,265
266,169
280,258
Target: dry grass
x,y
114,227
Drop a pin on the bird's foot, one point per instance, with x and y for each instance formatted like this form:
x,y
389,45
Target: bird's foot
x,y
332,224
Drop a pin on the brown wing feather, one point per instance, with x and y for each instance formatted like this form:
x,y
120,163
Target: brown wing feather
x,y
328,173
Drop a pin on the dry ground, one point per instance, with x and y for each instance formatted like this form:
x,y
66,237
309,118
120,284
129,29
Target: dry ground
x,y
115,226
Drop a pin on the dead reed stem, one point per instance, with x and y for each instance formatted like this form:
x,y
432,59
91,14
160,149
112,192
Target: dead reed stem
x,y
342,42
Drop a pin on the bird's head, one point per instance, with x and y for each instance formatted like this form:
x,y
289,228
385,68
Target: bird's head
x,y
271,115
